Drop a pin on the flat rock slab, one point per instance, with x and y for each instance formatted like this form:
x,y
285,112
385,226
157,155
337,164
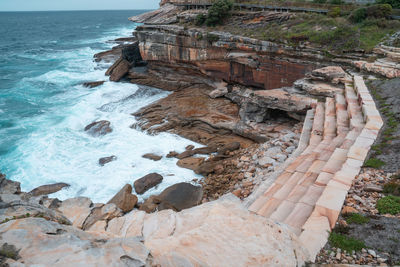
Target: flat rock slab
x,y
48,189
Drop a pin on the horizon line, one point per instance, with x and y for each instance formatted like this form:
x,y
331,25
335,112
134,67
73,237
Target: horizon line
x,y
70,10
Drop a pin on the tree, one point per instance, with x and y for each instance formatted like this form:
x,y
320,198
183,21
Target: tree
x,y
218,12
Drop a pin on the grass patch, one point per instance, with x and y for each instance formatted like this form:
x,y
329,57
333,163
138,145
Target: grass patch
x,y
345,243
389,205
374,163
356,218
392,188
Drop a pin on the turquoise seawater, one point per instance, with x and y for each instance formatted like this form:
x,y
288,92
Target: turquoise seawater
x,y
44,59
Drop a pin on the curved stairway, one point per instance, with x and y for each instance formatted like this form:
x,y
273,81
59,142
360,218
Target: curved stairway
x,y
309,193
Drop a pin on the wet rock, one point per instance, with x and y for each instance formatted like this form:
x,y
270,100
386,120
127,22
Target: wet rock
x,y
190,163
206,168
206,150
48,189
124,199
186,154
189,147
147,182
172,154
93,84
105,160
180,196
152,156
98,128
118,70
8,186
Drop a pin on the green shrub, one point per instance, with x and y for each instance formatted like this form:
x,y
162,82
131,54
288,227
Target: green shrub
x,y
343,37
379,11
319,1
358,15
218,12
392,188
389,204
374,163
356,218
335,2
393,3
345,243
200,19
334,12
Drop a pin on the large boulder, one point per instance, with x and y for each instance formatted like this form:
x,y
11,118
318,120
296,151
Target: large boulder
x,y
48,189
98,128
124,199
119,69
180,196
146,182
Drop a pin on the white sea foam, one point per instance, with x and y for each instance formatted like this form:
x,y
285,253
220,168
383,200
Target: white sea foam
x,y
59,150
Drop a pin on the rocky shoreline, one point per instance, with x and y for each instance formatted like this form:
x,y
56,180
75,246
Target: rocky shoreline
x,y
249,104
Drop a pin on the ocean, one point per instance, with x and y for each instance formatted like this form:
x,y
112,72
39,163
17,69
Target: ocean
x,y
44,59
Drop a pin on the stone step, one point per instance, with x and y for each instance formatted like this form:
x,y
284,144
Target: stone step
x,y
353,107
342,118
330,119
318,124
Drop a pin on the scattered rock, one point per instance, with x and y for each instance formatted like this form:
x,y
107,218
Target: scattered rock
x,y
124,199
146,182
190,163
105,160
172,154
48,189
93,84
150,204
152,156
98,128
180,196
348,210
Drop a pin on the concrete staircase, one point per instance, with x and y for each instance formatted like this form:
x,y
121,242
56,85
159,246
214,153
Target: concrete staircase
x,y
309,193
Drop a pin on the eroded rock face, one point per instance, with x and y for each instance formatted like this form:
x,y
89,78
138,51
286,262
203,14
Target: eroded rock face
x,y
98,128
147,182
124,199
230,58
218,233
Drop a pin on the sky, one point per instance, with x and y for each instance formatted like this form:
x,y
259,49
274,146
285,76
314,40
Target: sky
x,y
45,5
